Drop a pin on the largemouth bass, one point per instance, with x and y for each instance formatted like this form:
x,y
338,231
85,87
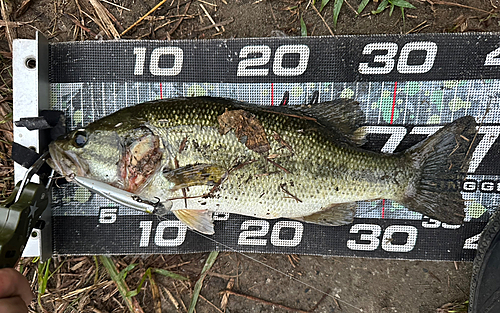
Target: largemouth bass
x,y
201,155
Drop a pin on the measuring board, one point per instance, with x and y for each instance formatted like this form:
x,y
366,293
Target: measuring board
x,y
408,86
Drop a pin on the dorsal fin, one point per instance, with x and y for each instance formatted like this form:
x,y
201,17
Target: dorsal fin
x,y
343,115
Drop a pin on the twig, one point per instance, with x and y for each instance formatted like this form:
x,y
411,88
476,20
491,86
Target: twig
x,y
209,17
12,24
93,287
5,17
116,5
292,115
416,27
283,187
81,18
213,305
285,144
96,21
214,5
179,295
321,16
155,292
113,18
320,300
143,17
182,146
281,306
458,5
88,30
272,12
163,25
179,21
225,296
22,8
353,9
279,166
103,13
171,298
217,24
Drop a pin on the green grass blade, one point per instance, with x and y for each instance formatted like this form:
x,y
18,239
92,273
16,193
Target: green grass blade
x,y
119,281
169,274
336,11
403,15
55,271
391,10
123,274
303,28
381,7
148,275
362,5
199,283
96,276
43,276
323,4
135,292
402,4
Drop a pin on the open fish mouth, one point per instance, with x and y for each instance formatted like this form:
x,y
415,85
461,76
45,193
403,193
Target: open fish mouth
x,y
66,163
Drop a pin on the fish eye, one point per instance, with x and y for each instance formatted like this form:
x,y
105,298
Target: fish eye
x,y
80,139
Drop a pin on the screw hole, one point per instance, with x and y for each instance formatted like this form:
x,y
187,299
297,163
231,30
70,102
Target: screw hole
x,y
34,234
31,63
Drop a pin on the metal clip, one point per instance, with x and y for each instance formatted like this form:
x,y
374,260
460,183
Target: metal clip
x,y
20,213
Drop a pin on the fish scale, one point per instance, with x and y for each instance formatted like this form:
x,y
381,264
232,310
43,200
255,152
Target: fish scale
x,y
221,155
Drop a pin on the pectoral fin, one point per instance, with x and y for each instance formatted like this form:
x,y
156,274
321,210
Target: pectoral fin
x,y
332,215
199,220
194,175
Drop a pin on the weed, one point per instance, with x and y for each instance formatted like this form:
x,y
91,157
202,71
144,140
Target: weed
x,y
199,283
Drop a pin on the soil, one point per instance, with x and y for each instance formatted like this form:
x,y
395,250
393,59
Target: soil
x,y
370,285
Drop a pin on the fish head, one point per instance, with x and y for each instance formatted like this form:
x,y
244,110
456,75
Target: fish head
x,y
94,154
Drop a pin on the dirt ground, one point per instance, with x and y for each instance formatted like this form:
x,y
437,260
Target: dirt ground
x,y
368,285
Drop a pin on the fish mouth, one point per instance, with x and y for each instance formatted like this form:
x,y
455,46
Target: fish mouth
x,y
66,163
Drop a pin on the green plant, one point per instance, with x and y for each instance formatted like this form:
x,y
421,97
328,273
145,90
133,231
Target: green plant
x,y
391,3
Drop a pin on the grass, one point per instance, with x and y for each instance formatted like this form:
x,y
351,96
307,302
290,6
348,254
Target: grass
x,y
199,283
337,6
128,294
44,274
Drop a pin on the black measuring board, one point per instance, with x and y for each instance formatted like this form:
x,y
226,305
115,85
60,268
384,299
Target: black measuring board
x,y
407,85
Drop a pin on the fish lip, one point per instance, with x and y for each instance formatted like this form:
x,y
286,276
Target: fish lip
x,y
59,161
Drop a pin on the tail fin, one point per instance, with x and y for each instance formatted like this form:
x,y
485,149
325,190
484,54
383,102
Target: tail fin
x,y
442,161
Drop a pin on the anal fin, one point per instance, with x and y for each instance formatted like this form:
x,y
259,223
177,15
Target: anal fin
x,y
333,215
199,220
